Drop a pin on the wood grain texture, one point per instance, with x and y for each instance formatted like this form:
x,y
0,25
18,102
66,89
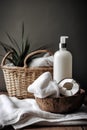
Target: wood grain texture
x,y
54,128
49,128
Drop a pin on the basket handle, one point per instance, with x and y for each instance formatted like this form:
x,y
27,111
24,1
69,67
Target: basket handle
x,y
34,53
5,57
26,58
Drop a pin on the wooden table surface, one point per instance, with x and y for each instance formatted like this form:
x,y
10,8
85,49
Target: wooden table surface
x,y
78,127
49,128
58,128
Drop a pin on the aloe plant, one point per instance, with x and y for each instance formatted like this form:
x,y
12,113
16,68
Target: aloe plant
x,y
19,53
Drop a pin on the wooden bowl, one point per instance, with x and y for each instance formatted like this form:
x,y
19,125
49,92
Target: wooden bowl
x,y
62,104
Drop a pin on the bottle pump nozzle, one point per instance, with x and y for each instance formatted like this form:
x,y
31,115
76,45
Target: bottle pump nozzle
x,y
63,41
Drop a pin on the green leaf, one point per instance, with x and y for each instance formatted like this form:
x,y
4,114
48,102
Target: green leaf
x,y
22,36
24,53
16,45
13,42
22,30
5,46
11,60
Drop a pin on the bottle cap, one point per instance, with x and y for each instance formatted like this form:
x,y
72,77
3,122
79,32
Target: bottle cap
x,y
62,43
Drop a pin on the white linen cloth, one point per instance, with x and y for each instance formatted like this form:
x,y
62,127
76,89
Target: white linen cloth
x,y
21,113
44,86
46,60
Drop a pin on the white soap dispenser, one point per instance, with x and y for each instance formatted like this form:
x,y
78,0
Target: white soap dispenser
x,y
62,66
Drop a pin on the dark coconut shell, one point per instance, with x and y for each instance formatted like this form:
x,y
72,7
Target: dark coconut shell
x,y
62,104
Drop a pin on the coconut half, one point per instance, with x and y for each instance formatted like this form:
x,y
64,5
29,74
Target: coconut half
x,y
68,87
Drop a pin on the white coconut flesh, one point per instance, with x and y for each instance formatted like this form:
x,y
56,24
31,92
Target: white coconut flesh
x,y
68,87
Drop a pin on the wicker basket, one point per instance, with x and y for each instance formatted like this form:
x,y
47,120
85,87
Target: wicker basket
x,y
17,79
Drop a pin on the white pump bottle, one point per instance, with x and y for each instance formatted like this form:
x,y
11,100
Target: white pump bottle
x,y
62,67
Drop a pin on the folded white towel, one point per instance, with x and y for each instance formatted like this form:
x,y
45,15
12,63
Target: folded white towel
x,y
21,113
46,60
44,86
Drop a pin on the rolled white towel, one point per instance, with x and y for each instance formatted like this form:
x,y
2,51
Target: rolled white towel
x,y
46,60
44,86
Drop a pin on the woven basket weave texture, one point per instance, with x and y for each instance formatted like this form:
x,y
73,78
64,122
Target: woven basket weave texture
x,y
17,79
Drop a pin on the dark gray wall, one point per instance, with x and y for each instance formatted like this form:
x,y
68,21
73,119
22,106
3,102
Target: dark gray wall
x,y
45,21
